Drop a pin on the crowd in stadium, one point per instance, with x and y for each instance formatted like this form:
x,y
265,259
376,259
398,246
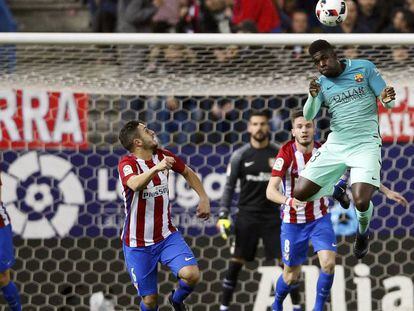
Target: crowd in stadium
x,y
246,16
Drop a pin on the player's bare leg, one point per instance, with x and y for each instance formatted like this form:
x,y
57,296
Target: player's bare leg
x,y
362,194
305,188
286,282
326,277
189,276
10,292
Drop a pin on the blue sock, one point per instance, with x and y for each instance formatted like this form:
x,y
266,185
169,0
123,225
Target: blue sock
x,y
282,290
11,294
145,308
323,289
182,291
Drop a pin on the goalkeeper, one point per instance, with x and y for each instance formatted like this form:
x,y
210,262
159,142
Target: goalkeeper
x,y
257,217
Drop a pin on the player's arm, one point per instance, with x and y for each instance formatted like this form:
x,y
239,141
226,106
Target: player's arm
x,y
314,102
384,93
203,209
139,182
224,221
394,196
273,194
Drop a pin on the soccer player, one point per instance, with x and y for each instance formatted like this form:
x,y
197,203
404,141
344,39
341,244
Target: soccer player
x,y
9,289
148,234
257,217
304,222
350,89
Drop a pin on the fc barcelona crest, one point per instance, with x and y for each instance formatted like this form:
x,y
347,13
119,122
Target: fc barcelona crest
x,y
359,77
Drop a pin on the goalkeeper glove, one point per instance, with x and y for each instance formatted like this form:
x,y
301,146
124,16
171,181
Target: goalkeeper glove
x,y
224,224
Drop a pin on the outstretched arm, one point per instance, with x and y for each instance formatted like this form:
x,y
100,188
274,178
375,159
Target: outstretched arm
x,y
203,209
394,196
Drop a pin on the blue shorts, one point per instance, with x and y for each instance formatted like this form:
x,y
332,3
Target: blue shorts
x,y
142,262
295,239
6,248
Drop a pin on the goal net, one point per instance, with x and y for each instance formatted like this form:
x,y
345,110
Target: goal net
x,y
63,99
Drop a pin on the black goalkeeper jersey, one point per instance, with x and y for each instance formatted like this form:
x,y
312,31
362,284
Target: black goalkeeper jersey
x,y
253,168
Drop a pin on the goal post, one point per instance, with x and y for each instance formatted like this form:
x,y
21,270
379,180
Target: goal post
x,y
63,99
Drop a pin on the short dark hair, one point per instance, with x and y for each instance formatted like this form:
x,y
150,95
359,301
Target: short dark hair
x,y
128,133
295,113
320,45
259,113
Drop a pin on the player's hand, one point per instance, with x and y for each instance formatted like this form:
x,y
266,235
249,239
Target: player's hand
x,y
224,225
165,164
388,94
314,87
292,202
203,209
395,196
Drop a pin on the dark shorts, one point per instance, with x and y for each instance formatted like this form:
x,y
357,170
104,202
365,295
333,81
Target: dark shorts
x,y
249,228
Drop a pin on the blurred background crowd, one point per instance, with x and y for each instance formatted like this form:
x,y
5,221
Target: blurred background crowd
x,y
201,16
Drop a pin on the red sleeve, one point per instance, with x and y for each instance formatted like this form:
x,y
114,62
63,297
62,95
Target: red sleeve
x,y
179,164
127,168
282,162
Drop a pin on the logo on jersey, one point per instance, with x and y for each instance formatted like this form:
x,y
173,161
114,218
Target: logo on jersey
x,y
277,166
271,162
155,191
348,95
127,170
359,77
42,195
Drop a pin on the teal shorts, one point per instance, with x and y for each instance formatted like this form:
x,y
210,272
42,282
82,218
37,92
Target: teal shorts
x,y
331,161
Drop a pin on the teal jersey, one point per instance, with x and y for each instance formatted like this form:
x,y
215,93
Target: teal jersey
x,y
352,102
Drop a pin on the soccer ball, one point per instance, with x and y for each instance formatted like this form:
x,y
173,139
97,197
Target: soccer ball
x,y
331,12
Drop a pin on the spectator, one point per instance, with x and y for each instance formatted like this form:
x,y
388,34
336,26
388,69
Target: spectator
x,y
409,4
7,52
351,24
400,54
189,17
246,27
7,23
263,12
401,22
372,15
215,18
136,15
299,22
103,15
308,6
351,52
167,16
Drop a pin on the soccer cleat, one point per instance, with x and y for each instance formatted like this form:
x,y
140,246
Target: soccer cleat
x,y
176,306
340,194
297,308
361,245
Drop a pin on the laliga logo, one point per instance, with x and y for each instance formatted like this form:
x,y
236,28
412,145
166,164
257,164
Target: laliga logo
x,y
42,196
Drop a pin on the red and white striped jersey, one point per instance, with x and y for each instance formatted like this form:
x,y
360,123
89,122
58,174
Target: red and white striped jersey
x,y
148,211
4,217
288,165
